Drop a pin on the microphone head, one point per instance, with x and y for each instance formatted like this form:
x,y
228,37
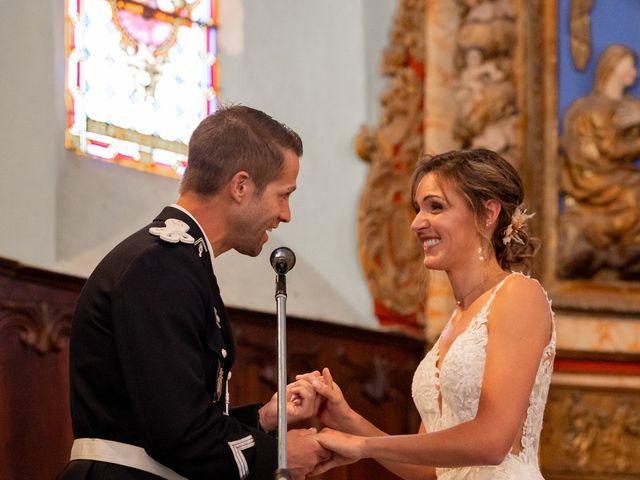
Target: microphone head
x,y
282,260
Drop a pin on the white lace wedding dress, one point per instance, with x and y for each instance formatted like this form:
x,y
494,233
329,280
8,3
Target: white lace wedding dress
x,y
459,379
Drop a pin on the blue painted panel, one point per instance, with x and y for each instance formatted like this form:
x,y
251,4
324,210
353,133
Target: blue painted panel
x,y
612,21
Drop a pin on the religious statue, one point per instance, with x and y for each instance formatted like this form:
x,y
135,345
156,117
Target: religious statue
x,y
485,98
485,90
599,235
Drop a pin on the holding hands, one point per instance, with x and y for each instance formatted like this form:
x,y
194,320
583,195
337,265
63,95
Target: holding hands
x,y
302,404
333,409
316,395
337,416
343,447
304,452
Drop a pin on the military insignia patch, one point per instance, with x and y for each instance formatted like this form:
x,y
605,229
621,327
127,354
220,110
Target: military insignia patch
x,y
174,231
201,246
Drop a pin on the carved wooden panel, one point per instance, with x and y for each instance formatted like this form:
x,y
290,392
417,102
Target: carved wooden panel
x,y
591,434
35,424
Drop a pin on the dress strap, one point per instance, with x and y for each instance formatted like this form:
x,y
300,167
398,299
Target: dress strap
x,y
483,315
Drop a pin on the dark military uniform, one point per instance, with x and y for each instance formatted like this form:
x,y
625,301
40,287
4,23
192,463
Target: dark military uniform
x,y
151,350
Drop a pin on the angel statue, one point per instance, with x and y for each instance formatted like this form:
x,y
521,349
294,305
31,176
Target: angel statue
x,y
599,235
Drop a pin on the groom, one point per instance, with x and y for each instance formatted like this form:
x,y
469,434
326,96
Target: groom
x,y
151,344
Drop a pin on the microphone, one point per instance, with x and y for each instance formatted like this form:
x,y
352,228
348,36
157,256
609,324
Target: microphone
x,y
282,260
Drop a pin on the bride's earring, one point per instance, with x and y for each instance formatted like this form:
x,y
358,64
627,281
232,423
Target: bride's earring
x,y
480,255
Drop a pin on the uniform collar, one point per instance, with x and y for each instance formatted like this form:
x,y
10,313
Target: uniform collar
x,y
204,234
201,243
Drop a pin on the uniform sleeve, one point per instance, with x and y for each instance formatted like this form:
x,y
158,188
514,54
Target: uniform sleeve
x,y
160,308
247,414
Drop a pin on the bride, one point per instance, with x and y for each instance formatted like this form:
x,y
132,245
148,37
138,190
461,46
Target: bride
x,y
482,389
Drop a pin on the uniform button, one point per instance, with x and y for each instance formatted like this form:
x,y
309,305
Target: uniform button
x,y
224,353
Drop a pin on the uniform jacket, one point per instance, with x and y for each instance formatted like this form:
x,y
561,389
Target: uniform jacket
x,y
151,349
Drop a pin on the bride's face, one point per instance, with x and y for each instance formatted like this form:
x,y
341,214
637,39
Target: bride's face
x,y
445,225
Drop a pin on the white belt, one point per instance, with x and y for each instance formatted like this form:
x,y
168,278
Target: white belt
x,y
120,454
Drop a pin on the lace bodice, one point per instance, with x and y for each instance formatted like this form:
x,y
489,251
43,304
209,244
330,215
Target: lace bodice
x,y
459,381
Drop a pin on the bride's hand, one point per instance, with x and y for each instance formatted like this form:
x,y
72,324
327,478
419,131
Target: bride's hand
x,y
334,411
345,449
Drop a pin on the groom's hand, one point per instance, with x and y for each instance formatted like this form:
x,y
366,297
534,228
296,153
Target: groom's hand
x,y
304,452
336,460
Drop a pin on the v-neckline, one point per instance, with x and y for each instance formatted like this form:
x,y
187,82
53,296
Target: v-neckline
x,y
492,291
436,346
453,342
438,369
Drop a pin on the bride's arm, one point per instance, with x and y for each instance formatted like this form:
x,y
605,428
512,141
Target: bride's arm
x,y
408,471
519,330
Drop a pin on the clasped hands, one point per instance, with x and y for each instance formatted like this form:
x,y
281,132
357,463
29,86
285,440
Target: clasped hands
x,y
309,452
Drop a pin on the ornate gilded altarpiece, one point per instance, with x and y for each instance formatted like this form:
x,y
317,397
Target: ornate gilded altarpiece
x,y
576,34
491,71
592,423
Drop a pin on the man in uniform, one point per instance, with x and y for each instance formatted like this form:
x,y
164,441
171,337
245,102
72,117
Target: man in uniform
x,y
151,345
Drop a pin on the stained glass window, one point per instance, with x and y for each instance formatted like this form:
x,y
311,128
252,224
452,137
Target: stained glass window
x,y
140,76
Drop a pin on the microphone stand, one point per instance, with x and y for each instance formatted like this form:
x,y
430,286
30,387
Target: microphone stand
x,y
282,473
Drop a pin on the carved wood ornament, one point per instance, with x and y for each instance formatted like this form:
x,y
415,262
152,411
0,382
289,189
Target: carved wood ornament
x,y
485,87
42,326
580,26
606,284
591,433
389,253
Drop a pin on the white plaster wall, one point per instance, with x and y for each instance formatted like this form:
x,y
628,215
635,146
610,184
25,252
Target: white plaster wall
x,y
310,64
28,133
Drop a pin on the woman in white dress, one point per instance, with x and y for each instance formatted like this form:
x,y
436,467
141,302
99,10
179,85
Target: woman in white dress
x,y
482,388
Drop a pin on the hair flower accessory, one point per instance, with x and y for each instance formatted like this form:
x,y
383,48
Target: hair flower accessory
x,y
518,220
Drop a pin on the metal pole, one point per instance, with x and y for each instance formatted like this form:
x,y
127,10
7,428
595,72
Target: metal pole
x,y
281,305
